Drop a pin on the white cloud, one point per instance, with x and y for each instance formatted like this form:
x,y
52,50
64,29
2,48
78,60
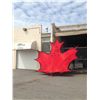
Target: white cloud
x,y
45,0
45,13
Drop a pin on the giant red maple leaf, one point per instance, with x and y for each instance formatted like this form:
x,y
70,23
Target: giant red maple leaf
x,y
56,61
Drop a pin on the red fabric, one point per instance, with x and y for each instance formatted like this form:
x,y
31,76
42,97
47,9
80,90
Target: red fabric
x,y
56,61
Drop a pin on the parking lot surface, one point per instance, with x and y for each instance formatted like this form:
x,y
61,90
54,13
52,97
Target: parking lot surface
x,y
32,85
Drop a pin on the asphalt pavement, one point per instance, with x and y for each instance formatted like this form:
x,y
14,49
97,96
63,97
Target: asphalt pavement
x,y
32,85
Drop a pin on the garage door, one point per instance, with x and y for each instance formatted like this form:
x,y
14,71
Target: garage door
x,y
25,59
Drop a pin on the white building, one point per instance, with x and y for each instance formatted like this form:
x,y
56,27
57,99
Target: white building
x,y
28,40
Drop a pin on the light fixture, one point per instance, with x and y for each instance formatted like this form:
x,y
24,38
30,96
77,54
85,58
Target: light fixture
x,y
24,29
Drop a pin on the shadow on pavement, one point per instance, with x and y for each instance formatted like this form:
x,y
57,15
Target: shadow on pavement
x,y
68,74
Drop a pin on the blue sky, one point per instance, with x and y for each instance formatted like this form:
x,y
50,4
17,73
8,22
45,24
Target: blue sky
x,y
45,13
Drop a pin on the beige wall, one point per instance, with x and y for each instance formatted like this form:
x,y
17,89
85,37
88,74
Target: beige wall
x,y
33,34
27,37
14,59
